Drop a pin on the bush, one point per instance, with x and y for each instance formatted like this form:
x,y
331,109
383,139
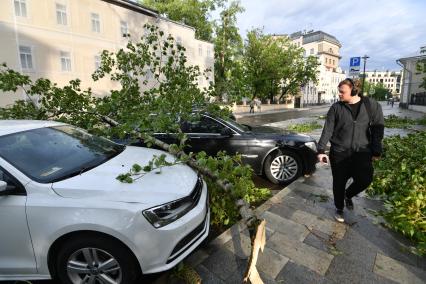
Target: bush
x,y
224,213
422,121
393,121
400,178
304,127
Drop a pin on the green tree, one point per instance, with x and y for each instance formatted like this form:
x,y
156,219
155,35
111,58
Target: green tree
x,y
228,54
135,111
259,63
296,70
194,13
377,91
421,67
273,65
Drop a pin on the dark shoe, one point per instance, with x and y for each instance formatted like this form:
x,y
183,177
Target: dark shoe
x,y
339,216
349,203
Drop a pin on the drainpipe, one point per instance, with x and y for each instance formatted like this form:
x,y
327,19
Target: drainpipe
x,y
409,80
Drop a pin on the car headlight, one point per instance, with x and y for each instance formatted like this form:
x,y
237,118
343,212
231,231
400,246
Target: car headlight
x,y
162,215
311,145
165,214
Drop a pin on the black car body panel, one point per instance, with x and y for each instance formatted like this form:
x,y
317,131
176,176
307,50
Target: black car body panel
x,y
212,134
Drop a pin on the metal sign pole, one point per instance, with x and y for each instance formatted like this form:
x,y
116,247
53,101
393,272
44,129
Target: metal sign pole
x,y
365,57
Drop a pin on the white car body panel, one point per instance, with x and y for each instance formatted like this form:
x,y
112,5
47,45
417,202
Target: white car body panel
x,y
97,201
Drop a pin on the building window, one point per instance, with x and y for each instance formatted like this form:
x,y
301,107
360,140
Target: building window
x,y
124,29
179,40
312,51
209,52
334,62
25,54
20,8
61,14
97,62
96,23
65,61
200,50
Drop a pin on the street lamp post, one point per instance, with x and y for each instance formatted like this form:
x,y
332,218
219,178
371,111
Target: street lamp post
x,y
365,57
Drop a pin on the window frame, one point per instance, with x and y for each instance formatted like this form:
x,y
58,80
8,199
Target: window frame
x,y
61,57
200,49
95,20
126,26
30,54
21,3
204,117
98,61
61,14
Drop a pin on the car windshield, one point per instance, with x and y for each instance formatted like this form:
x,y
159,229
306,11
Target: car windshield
x,y
235,124
55,153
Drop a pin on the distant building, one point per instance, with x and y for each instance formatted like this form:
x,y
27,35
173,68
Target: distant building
x,y
412,95
62,39
327,49
390,80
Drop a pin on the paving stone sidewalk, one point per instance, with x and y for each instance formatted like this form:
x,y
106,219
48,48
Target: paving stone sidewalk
x,y
305,244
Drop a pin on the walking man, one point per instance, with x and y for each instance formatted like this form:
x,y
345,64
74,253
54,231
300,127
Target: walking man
x,y
252,106
258,104
354,126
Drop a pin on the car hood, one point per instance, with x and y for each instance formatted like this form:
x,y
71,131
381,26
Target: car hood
x,y
276,133
154,188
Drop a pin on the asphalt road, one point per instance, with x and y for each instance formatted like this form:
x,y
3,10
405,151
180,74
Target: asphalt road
x,y
260,119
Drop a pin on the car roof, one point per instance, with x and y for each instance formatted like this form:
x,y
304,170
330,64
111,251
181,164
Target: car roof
x,y
14,126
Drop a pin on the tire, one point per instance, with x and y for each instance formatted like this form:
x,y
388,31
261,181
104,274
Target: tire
x,y
73,258
282,167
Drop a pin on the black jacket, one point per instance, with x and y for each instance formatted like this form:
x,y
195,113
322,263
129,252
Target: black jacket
x,y
347,134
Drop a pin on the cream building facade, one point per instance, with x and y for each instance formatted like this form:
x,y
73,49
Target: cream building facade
x,y
412,95
62,39
391,80
327,49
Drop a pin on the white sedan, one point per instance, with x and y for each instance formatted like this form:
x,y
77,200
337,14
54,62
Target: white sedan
x,y
64,215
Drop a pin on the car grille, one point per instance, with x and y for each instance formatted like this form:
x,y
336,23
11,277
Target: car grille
x,y
196,193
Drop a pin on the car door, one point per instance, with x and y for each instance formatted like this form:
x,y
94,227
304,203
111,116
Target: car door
x,y
16,251
210,135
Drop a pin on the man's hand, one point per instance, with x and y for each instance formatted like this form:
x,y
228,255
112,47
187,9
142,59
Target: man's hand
x,y
323,158
375,158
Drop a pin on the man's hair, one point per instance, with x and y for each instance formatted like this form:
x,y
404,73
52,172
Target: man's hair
x,y
355,85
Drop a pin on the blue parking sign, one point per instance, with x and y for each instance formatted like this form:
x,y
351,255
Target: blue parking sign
x,y
354,66
355,61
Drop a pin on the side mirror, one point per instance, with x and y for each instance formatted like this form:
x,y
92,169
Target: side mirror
x,y
3,187
227,132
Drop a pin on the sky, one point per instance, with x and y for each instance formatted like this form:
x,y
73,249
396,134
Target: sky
x,y
385,30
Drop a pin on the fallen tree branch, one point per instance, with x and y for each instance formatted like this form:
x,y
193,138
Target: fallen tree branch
x,y
243,207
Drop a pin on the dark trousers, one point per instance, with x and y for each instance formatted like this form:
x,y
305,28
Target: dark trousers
x,y
344,165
